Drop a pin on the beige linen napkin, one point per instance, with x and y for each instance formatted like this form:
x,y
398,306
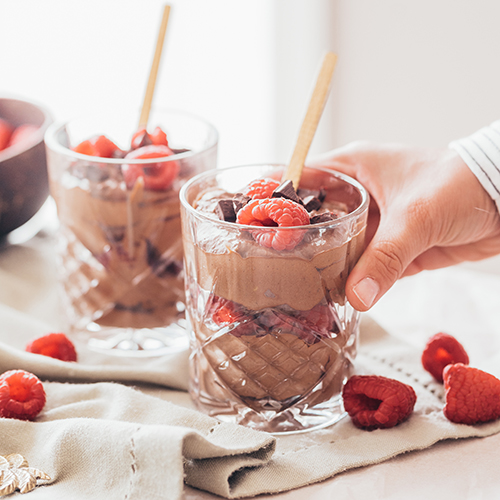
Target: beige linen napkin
x,y
106,440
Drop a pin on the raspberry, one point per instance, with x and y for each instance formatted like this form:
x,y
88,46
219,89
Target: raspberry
x,y
157,176
472,396
274,212
375,402
442,350
5,133
22,133
261,188
226,312
99,146
140,139
54,345
159,137
21,395
143,138
321,319
86,148
311,326
223,311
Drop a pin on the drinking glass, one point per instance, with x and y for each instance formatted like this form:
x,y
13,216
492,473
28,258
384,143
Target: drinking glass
x,y
272,335
119,243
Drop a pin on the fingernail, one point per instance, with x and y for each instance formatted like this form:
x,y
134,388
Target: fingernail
x,y
366,291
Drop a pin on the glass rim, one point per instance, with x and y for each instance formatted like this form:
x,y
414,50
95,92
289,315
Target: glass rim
x,y
365,198
54,145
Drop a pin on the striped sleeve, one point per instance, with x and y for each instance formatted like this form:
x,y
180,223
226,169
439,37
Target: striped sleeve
x,y
481,152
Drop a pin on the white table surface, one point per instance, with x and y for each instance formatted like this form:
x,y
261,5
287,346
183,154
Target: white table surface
x,y
463,301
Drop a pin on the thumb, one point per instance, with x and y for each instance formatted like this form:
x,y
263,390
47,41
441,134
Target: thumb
x,y
382,263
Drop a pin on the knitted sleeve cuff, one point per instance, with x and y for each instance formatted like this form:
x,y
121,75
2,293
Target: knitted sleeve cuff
x,y
481,153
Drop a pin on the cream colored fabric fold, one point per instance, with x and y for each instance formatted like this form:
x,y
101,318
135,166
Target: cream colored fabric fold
x,y
108,441
118,442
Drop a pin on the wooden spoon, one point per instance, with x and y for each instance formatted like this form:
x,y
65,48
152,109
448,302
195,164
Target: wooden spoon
x,y
135,195
311,120
150,89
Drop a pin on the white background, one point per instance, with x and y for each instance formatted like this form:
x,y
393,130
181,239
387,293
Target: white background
x,y
417,71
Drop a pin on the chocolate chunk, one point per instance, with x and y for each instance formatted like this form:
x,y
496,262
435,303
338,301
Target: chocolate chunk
x,y
141,140
311,203
113,234
118,153
317,193
326,217
152,254
240,200
225,210
139,308
172,268
179,150
160,264
90,171
286,190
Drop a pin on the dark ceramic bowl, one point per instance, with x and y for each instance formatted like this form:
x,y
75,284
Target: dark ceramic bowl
x,y
24,184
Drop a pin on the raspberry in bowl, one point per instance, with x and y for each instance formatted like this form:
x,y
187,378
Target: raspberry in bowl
x,y
24,184
119,245
272,335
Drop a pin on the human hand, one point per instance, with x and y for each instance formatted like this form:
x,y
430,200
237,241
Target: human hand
x,y
427,211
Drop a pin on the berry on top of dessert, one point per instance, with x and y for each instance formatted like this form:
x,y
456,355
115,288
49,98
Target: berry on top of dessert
x,y
143,145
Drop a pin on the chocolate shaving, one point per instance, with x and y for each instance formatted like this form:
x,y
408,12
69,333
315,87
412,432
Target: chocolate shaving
x,y
240,200
325,217
179,150
225,210
286,190
317,193
311,203
90,171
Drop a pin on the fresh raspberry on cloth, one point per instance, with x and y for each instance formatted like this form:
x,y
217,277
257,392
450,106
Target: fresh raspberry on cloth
x,y
54,345
442,350
472,396
375,402
261,188
21,395
274,212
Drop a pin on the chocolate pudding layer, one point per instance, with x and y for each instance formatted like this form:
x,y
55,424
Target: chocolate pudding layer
x,y
123,254
121,248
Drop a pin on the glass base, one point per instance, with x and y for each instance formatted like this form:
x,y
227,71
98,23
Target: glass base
x,y
142,342
296,420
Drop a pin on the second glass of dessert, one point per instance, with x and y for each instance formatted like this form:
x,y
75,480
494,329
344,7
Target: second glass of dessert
x,y
117,194
272,335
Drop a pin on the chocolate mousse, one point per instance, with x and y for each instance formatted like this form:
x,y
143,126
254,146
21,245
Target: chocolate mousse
x,y
270,330
123,258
